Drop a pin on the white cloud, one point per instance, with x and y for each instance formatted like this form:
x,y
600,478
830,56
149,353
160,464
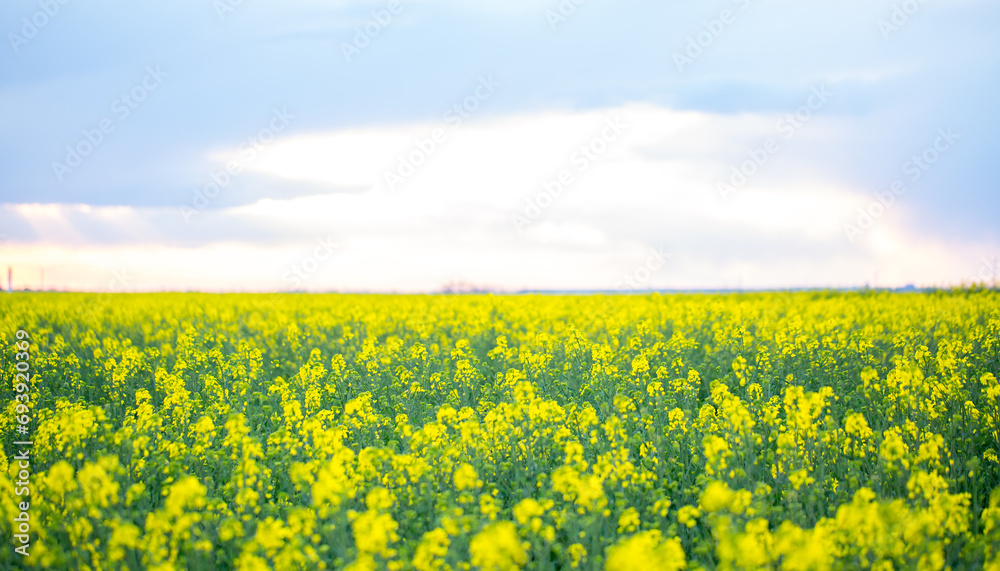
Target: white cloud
x,y
654,186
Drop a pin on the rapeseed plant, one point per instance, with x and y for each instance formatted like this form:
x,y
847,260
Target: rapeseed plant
x,y
757,431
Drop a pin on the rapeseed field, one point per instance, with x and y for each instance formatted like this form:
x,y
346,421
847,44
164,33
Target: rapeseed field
x,y
815,430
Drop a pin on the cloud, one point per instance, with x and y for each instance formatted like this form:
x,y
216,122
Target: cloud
x,y
597,192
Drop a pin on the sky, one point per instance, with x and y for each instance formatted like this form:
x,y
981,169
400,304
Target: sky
x,y
421,145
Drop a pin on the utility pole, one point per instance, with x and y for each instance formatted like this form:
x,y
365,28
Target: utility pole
x,y
10,278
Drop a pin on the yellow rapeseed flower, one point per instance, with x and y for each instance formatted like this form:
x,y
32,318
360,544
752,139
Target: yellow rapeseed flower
x,y
498,548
